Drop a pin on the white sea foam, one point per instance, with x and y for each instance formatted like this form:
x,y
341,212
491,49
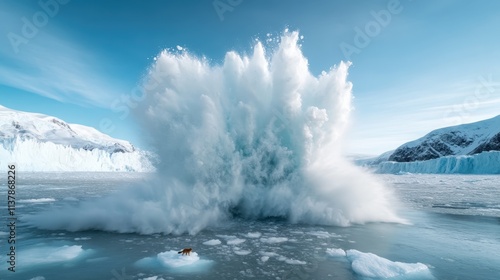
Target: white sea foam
x,y
82,238
322,234
258,135
37,200
266,255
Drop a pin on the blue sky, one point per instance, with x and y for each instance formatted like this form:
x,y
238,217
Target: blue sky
x,y
431,64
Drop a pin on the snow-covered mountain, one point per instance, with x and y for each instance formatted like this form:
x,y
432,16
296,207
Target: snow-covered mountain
x,y
38,142
465,139
472,148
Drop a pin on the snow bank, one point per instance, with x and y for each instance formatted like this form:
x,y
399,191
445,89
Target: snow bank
x,y
483,163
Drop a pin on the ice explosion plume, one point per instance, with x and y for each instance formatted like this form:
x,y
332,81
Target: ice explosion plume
x,y
258,136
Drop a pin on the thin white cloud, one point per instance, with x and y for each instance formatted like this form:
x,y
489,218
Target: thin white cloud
x,y
53,66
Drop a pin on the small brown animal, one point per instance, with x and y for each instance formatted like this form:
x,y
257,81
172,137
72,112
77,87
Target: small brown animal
x,y
186,251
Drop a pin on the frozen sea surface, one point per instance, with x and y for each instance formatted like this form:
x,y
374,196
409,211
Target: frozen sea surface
x,y
453,234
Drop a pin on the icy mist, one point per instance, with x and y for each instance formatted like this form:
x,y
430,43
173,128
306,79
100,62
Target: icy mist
x,y
258,136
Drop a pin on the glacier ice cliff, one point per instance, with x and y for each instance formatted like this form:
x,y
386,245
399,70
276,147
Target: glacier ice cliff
x,y
33,156
483,163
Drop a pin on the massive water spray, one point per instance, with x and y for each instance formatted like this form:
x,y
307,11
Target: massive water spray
x,y
257,136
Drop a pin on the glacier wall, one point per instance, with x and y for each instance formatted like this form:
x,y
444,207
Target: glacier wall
x,y
34,156
483,163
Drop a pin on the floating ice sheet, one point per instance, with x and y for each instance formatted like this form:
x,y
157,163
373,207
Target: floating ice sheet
x,y
42,255
273,240
173,260
212,242
371,265
334,252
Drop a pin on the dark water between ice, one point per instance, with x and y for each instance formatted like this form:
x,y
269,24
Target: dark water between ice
x,y
454,232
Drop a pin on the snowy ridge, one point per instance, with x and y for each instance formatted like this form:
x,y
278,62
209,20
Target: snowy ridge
x,y
472,148
465,139
39,142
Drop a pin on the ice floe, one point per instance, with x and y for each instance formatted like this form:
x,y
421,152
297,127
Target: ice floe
x,y
212,242
241,252
333,252
235,241
274,239
371,265
173,260
43,255
266,255
254,234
